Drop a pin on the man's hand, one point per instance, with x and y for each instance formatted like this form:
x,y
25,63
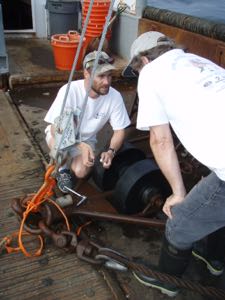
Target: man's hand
x,y
106,159
87,153
170,202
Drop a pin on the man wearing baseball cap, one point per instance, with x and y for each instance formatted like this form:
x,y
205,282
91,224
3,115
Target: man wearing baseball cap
x,y
104,104
185,92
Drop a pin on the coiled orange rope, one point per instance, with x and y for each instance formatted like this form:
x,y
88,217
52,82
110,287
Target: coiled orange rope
x,y
43,194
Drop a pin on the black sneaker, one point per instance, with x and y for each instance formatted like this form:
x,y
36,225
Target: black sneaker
x,y
65,179
215,267
164,288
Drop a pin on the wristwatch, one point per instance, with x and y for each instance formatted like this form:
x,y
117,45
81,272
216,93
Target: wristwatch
x,y
113,151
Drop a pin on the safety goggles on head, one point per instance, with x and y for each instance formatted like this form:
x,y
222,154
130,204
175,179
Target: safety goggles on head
x,y
102,61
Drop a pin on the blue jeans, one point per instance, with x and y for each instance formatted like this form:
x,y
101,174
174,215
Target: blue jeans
x,y
201,213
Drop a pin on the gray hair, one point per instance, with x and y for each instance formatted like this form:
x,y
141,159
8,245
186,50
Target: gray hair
x,y
166,44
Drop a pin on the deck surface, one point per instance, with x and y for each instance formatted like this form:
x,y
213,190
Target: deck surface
x,y
32,61
55,274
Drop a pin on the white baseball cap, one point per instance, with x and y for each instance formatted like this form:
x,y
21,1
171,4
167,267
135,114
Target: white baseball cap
x,y
145,41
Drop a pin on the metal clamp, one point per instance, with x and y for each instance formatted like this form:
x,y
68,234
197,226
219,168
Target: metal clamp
x,y
111,263
73,241
85,249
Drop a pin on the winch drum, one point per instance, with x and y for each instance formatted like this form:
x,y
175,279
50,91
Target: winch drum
x,y
106,179
138,185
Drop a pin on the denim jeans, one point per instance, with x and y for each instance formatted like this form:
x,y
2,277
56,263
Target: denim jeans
x,y
201,213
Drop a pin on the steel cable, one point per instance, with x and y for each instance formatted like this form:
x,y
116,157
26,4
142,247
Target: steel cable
x,y
182,283
77,55
100,46
93,70
73,70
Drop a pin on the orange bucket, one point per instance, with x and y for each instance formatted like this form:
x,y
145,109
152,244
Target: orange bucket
x,y
97,3
97,18
90,35
96,9
96,22
64,50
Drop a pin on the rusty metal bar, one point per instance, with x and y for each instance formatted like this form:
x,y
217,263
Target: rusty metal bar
x,y
73,211
103,194
118,218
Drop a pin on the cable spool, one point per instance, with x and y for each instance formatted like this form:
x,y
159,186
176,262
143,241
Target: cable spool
x,y
106,179
138,185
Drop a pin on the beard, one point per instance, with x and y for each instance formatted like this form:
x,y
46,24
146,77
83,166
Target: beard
x,y
101,91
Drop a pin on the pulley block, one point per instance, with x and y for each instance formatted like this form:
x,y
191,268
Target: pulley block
x,y
106,179
138,186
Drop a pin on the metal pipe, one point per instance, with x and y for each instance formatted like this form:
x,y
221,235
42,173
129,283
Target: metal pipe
x,y
119,218
73,211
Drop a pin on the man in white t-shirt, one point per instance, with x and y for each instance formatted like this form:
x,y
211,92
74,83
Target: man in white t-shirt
x,y
186,92
104,104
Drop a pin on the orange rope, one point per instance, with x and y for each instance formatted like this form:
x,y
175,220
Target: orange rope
x,y
78,231
43,194
10,249
29,208
46,190
60,209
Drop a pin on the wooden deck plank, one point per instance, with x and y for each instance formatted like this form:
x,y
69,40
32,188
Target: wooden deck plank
x,y
56,274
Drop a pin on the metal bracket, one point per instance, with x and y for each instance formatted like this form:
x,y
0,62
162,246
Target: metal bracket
x,y
65,131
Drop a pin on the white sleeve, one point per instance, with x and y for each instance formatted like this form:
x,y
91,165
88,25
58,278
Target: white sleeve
x,y
56,106
150,108
119,118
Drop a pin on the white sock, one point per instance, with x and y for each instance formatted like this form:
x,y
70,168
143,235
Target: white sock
x,y
63,167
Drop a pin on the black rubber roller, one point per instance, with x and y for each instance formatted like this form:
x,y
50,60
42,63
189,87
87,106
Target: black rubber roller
x,y
106,179
140,182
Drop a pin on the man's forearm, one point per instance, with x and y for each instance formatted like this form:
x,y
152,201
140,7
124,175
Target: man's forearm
x,y
167,160
117,139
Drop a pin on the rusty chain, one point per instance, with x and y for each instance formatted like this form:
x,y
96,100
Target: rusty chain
x,y
95,254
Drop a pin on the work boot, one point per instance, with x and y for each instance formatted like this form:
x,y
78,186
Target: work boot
x,y
165,288
65,180
173,262
211,251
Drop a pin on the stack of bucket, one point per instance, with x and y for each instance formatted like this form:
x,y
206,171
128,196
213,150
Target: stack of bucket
x,y
97,19
64,50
